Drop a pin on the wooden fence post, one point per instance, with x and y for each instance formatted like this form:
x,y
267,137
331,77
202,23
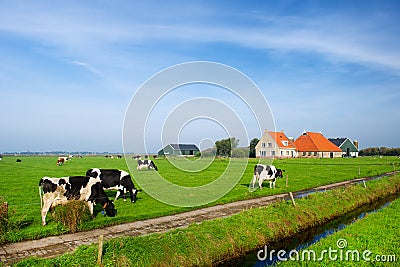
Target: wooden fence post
x,y
100,254
292,198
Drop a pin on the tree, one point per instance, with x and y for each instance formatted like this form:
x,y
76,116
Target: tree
x,y
224,147
380,151
253,143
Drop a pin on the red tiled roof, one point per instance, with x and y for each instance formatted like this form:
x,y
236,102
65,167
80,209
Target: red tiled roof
x,y
279,137
315,142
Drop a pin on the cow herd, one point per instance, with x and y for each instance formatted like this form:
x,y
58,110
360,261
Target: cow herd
x,y
91,187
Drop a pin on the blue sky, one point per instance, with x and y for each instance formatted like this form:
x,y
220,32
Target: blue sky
x,y
69,69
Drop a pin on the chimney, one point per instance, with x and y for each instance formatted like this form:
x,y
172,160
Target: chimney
x,y
355,142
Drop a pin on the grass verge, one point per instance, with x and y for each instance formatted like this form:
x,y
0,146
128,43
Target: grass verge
x,y
218,240
373,241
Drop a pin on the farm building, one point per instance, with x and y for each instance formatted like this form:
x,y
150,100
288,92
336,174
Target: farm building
x,y
179,150
315,145
350,149
275,144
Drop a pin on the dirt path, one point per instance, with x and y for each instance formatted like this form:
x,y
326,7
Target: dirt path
x,y
58,245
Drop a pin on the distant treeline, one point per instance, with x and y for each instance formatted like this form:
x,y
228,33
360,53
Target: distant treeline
x,y
380,151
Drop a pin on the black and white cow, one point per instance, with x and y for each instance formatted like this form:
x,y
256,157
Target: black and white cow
x,y
268,173
147,163
115,180
57,191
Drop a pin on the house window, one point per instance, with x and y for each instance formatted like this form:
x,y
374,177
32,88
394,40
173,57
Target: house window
x,y
315,153
262,153
287,153
262,144
269,144
272,153
304,153
285,143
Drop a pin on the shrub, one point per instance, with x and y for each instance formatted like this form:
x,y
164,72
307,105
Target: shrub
x,y
72,214
3,217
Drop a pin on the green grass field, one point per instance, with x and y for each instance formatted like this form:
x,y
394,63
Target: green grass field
x,y
19,185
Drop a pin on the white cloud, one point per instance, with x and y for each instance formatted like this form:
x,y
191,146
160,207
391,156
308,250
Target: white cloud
x,y
86,66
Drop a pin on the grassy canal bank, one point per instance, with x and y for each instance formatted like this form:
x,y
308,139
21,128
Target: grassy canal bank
x,y
373,241
221,239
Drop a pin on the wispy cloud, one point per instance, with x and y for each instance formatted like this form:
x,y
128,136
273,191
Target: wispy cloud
x,y
86,66
84,30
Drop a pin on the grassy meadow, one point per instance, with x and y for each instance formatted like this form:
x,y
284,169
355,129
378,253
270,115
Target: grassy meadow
x,y
19,185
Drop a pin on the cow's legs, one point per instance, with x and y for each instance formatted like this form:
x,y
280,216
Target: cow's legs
x,y
117,195
132,195
90,206
45,209
253,181
48,200
260,181
123,192
272,183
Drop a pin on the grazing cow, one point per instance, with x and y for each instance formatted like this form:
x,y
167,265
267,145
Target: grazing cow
x,y
147,163
119,156
60,161
269,173
64,159
19,160
137,157
115,180
58,191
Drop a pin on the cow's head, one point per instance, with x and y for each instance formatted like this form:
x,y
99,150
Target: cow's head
x,y
279,173
153,165
109,208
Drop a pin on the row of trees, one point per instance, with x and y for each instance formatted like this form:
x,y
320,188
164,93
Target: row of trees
x,y
228,148
225,146
379,151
